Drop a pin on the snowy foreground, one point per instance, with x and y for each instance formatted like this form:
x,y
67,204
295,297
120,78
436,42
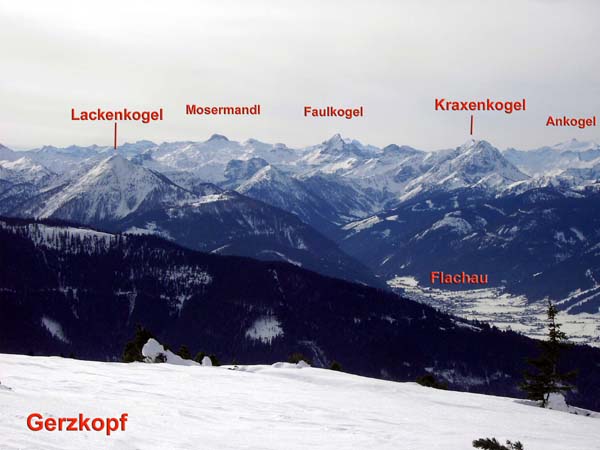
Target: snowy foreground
x,y
263,407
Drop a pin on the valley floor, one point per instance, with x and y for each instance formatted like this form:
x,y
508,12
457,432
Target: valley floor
x,y
499,308
263,407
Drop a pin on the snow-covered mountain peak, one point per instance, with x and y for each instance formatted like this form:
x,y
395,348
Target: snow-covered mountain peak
x,y
24,170
71,149
6,154
4,147
113,188
337,145
217,137
117,163
337,154
24,163
251,142
268,174
483,155
575,145
478,146
117,172
475,163
335,141
136,148
240,170
572,154
399,150
467,145
141,143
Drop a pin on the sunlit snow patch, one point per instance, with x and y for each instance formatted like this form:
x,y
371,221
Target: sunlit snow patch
x,y
54,328
265,329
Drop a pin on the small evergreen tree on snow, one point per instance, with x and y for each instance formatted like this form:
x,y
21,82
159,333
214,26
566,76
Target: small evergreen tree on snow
x,y
545,377
184,352
296,357
493,444
133,349
336,366
214,360
428,380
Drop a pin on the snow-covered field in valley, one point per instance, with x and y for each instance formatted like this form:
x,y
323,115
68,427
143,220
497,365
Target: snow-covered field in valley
x,y
263,407
502,309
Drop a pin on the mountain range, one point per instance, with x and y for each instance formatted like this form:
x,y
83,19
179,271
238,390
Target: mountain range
x,y
528,219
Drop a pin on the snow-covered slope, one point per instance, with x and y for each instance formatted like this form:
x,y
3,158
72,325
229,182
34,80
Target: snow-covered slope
x,y
24,170
241,170
277,188
21,178
111,190
263,407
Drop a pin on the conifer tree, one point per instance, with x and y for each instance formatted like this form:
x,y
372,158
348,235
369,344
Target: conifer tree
x,y
336,366
545,377
214,360
184,352
297,357
133,349
428,380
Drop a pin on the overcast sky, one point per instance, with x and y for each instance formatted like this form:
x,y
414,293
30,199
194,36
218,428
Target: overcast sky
x,y
392,57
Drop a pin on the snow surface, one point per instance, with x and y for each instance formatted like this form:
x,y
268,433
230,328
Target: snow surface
x,y
361,225
206,361
280,255
150,229
506,311
153,348
456,224
264,407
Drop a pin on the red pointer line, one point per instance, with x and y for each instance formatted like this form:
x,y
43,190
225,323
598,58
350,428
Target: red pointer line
x,y
472,122
116,135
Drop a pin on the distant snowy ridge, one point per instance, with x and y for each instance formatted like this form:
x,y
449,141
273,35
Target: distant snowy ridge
x,y
351,179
